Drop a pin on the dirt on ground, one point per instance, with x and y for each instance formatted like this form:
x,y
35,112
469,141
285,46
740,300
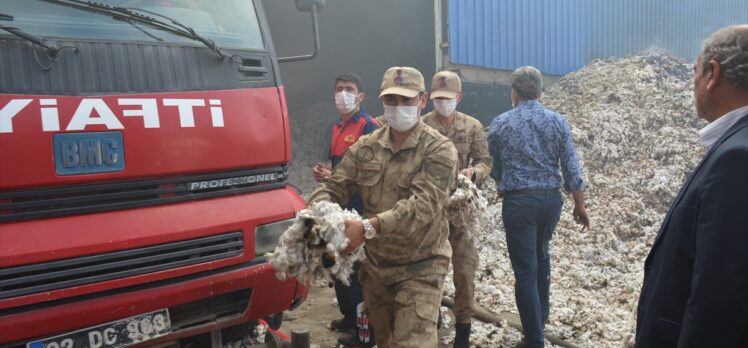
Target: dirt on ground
x,y
315,315
320,309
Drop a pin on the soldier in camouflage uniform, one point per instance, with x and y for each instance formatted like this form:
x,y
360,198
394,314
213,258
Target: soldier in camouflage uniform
x,y
469,137
405,172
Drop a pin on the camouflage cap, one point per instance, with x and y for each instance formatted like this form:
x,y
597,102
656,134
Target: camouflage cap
x,y
445,84
402,80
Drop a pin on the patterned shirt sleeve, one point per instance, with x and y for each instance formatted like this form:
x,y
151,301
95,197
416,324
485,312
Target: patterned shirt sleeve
x,y
569,163
494,149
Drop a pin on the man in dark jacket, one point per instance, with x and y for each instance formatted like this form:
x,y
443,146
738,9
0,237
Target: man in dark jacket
x,y
695,291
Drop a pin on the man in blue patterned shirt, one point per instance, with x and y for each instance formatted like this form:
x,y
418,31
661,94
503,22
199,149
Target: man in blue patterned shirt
x,y
527,144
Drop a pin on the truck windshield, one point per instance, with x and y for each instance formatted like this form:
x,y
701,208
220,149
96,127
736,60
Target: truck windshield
x,y
230,23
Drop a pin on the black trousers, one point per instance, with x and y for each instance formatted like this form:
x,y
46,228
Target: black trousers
x,y
349,296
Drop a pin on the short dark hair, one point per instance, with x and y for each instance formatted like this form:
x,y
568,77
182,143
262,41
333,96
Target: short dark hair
x,y
527,81
351,77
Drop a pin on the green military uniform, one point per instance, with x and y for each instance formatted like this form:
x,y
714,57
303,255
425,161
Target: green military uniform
x,y
469,137
408,190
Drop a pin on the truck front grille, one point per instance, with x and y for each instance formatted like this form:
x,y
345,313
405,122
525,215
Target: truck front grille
x,y
210,309
35,278
80,199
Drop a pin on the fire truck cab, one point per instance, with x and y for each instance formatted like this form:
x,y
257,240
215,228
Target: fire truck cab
x,y
144,151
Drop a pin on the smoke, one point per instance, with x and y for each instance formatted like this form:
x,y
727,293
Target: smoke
x,y
360,36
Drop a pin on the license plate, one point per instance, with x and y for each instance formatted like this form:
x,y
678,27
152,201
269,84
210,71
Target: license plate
x,y
91,152
120,333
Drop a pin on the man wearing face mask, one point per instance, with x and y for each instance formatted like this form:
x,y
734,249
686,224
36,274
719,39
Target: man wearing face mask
x,y
469,138
353,123
405,172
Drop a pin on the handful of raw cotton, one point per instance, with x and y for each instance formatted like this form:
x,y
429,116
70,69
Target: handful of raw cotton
x,y
467,207
310,248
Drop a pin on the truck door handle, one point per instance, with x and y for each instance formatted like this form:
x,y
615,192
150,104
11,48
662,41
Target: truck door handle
x,y
253,69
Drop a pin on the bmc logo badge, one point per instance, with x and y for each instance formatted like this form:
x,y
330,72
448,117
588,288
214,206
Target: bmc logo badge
x,y
87,153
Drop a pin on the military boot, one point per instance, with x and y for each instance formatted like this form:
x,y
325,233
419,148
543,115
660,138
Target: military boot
x,y
462,335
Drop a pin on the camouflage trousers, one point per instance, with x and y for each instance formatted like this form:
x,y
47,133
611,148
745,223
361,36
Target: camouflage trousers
x,y
464,264
403,314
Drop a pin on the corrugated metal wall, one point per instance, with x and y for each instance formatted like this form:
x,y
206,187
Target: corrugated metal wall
x,y
559,36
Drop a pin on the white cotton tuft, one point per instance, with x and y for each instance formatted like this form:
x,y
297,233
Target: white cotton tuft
x,y
310,248
467,207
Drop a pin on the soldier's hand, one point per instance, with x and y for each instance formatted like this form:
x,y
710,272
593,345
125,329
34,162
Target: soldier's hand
x,y
468,173
320,172
354,231
326,172
317,170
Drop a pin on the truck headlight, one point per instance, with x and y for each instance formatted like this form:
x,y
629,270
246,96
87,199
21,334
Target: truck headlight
x,y
268,235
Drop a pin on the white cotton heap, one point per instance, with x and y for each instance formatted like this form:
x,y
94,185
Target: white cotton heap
x,y
310,248
467,207
636,134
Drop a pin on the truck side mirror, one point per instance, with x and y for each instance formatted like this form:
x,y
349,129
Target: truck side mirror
x,y
309,5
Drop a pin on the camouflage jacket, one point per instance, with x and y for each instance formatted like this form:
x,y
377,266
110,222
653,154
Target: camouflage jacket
x,y
408,190
469,137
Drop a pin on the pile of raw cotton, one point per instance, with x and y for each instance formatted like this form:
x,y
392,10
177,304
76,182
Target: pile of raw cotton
x,y
636,134
310,248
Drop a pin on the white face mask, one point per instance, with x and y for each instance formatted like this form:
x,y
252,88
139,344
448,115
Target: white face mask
x,y
445,107
345,102
401,118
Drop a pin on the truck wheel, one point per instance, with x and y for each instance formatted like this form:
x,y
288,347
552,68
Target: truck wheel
x,y
272,341
275,321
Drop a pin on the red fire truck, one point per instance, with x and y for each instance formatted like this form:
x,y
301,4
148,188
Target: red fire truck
x,y
144,147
